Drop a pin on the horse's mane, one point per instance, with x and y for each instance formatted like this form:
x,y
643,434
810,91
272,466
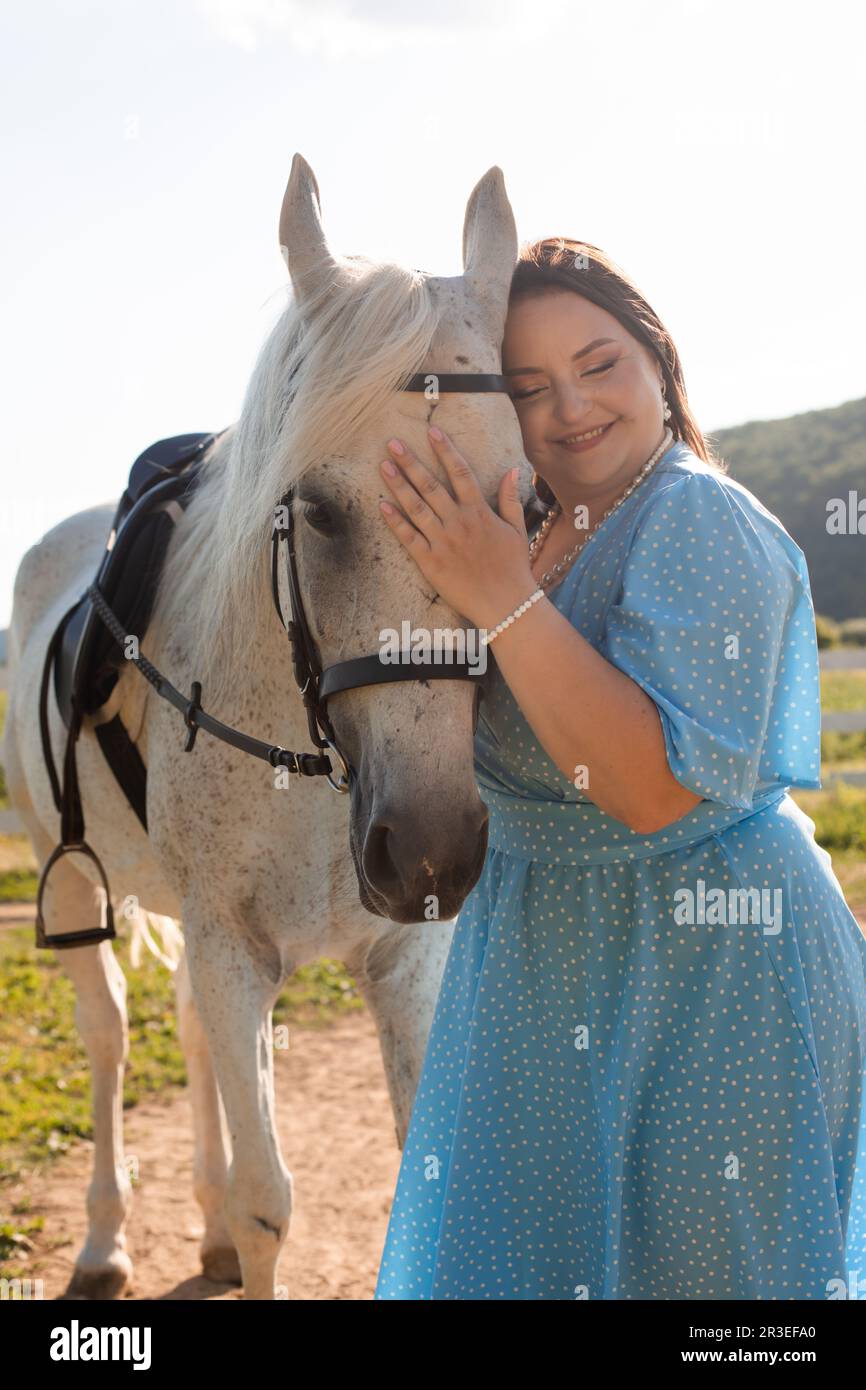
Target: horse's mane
x,y
317,382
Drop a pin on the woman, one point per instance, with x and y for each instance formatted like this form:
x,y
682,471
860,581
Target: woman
x,y
644,1073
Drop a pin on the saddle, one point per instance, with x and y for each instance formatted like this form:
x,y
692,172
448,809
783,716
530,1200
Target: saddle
x,y
86,658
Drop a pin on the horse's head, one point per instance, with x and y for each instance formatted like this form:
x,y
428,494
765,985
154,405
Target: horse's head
x,y
418,826
325,397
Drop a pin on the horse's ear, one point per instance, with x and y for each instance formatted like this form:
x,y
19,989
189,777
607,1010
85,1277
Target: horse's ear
x,y
303,247
490,246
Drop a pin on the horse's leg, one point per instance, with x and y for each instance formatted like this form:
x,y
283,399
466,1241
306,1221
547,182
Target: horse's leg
x,y
235,987
210,1162
399,976
103,1268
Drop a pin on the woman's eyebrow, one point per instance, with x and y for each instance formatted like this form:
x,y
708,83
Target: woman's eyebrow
x,y
596,342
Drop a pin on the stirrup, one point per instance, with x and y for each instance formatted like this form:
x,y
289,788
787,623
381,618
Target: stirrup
x,y
91,935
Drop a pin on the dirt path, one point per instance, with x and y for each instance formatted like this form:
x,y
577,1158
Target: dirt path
x,y
337,1138
17,914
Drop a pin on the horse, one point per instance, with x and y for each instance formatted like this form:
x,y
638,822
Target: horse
x,y
254,866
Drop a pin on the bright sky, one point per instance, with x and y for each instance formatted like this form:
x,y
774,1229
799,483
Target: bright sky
x,y
715,150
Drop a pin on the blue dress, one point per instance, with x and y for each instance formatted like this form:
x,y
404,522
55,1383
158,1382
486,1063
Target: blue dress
x,y
644,1076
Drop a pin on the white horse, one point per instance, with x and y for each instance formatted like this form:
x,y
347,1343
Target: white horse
x,y
259,874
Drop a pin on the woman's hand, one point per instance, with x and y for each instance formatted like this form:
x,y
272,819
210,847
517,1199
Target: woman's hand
x,y
477,562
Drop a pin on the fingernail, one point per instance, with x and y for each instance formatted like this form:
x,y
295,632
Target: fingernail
x,y
389,468
395,445
386,507
435,432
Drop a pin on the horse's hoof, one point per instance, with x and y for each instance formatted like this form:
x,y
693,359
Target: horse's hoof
x,y
110,1281
221,1265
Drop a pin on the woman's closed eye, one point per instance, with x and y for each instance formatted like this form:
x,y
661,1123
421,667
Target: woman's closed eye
x,y
534,390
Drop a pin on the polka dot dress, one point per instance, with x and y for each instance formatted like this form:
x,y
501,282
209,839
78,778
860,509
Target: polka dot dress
x,y
644,1077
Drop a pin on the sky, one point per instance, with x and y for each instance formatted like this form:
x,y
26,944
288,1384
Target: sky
x,y
714,148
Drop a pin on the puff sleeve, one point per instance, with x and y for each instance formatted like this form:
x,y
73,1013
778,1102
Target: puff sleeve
x,y
714,620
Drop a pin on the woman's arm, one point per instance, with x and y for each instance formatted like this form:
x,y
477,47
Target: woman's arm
x,y
588,714
583,710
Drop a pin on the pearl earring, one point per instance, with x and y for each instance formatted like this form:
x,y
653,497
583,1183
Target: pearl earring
x,y
667,409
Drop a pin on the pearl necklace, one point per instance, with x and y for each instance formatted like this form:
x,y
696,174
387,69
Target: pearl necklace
x,y
537,542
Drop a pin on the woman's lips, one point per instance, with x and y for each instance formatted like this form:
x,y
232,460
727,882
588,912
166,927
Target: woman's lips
x,y
586,444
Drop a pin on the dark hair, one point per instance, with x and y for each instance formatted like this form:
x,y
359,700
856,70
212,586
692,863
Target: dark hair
x,y
563,264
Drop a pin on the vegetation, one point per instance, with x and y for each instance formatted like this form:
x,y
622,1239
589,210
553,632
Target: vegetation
x,y
45,1101
796,467
829,634
4,795
842,691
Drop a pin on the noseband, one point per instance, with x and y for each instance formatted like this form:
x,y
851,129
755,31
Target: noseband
x,y
316,683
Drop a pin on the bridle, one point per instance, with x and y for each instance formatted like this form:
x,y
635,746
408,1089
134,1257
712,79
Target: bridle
x,y
315,683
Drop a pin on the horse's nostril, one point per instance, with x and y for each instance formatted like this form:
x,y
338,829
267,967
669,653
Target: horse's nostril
x,y
377,859
409,861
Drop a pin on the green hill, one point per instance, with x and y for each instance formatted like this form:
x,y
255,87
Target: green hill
x,y
795,467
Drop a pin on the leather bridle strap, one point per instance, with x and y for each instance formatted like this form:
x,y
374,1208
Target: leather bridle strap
x,y
372,670
316,684
433,382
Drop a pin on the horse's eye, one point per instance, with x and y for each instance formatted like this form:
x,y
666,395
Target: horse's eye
x,y
317,515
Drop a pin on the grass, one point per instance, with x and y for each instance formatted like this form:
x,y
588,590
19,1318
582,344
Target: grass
x,y
18,878
840,827
15,1234
839,816
842,691
46,1102
18,885
4,794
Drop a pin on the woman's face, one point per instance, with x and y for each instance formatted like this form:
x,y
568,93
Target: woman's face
x,y
566,383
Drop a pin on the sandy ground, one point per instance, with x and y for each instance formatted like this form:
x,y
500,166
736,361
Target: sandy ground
x,y
337,1138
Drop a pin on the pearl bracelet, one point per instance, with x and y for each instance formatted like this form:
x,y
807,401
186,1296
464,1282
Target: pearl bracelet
x,y
512,617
